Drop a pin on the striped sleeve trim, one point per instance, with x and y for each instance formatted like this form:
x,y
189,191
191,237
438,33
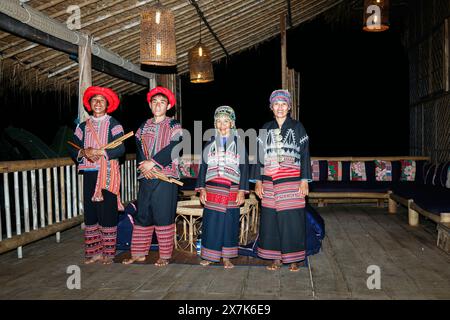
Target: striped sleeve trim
x,y
79,133
117,130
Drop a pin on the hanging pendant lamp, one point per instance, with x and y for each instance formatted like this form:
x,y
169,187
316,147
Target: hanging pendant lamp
x,y
157,45
200,65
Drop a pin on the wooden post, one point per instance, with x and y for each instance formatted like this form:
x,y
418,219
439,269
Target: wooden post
x,y
84,75
413,215
284,71
392,207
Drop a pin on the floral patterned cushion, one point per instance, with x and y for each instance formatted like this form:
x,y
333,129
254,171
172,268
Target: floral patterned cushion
x,y
315,170
408,170
383,170
334,171
358,171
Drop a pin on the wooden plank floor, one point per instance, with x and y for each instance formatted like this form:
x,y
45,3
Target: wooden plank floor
x,y
411,265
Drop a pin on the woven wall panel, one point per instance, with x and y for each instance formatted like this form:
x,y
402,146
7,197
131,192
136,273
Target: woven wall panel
x,y
437,60
413,76
415,131
442,10
424,69
429,128
442,129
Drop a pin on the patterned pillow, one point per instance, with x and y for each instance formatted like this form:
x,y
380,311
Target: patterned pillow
x,y
408,170
383,170
334,171
358,171
315,170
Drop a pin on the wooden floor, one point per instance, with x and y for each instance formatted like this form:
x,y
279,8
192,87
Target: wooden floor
x,y
411,265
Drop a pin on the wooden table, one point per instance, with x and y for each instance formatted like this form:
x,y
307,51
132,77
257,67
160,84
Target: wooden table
x,y
190,212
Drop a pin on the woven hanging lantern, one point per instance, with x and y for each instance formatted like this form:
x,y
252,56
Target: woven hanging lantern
x,y
200,65
376,15
158,46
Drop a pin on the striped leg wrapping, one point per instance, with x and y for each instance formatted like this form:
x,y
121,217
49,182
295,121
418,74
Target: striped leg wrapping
x,y
141,240
92,241
109,241
165,236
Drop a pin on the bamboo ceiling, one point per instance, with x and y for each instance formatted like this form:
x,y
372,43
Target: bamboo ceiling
x,y
239,24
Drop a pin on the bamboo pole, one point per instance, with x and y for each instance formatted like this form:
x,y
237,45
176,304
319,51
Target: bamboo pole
x,y
41,198
49,197
84,75
26,207
17,207
68,193
74,191
62,192
7,205
34,199
127,174
284,75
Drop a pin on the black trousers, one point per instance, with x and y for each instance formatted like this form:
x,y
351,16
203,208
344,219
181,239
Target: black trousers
x,y
105,213
157,203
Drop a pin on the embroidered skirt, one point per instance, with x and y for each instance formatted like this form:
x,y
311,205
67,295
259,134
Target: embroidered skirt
x,y
220,222
282,232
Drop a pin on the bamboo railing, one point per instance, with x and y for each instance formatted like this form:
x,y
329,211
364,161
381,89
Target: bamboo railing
x,y
44,197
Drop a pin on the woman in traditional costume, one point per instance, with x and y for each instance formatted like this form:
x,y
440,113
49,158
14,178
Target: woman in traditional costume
x,y
101,173
282,177
157,200
223,183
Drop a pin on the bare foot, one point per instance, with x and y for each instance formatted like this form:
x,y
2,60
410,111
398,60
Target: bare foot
x,y
134,259
274,266
107,260
162,262
294,267
205,262
93,259
227,264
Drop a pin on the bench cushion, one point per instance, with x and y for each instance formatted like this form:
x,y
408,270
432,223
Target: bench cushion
x,y
349,186
430,198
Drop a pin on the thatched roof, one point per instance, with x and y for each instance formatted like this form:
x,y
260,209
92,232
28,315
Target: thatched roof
x,y
114,24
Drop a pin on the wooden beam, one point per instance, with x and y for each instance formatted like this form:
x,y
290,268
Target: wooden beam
x,y
51,28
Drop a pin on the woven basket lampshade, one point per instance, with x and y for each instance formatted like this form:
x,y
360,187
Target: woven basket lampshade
x,y
158,47
376,15
200,65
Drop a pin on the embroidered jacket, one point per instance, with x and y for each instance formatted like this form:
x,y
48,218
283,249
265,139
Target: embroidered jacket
x,y
156,141
285,148
224,159
108,129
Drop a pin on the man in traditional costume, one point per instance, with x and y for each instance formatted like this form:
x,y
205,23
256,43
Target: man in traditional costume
x,y
101,173
283,172
223,183
157,199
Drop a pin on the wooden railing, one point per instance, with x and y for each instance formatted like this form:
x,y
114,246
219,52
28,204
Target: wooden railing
x,y
45,197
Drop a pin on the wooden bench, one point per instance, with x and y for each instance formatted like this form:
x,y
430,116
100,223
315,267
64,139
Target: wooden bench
x,y
443,240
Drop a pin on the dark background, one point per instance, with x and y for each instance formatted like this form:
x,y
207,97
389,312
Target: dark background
x,y
353,99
